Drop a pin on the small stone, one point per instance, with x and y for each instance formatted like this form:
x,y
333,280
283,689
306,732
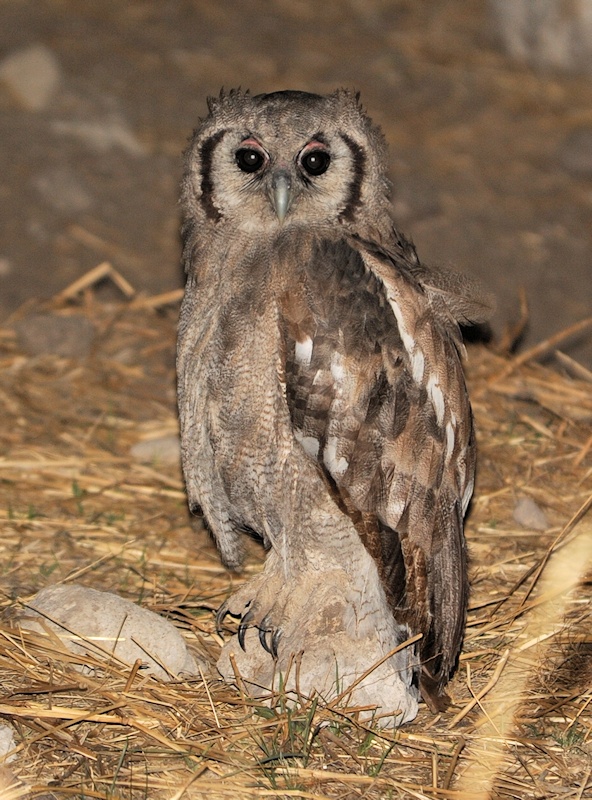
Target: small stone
x,y
5,267
548,34
45,334
163,450
575,153
63,191
81,616
530,515
32,75
102,135
7,743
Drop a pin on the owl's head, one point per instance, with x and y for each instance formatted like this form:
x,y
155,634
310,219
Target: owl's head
x,y
271,161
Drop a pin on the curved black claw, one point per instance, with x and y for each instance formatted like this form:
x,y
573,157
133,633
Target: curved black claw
x,y
265,629
269,637
220,614
242,628
275,640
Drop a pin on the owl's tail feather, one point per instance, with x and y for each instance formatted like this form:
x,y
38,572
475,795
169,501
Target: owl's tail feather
x,y
448,597
428,591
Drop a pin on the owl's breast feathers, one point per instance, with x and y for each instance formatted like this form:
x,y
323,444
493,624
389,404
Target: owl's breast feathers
x,y
377,398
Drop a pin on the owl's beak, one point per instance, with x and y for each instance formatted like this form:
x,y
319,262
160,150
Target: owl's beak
x,y
281,197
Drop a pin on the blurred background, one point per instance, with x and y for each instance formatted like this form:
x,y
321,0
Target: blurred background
x,y
487,108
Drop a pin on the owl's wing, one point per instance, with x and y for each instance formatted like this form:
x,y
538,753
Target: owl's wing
x,y
377,397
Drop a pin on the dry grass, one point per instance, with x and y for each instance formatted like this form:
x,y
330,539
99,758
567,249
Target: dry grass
x,y
75,506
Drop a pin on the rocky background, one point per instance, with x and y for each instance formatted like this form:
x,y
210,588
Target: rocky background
x,y
487,108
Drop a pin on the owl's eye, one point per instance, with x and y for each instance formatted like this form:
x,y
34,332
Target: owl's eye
x,y
315,162
249,159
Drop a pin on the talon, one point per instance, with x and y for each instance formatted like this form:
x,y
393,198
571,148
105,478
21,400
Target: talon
x,y
264,629
275,640
263,639
220,614
242,628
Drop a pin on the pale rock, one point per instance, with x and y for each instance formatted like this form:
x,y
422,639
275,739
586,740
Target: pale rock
x,y
102,623
101,135
546,34
32,75
51,334
7,743
61,189
161,450
530,515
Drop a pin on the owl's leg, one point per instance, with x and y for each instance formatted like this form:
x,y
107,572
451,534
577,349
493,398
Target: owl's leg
x,y
319,625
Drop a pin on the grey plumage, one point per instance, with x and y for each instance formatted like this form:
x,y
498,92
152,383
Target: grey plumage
x,y
321,395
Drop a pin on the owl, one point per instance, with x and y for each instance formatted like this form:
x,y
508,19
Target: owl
x,y
322,402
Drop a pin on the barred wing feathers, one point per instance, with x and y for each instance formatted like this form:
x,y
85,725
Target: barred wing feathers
x,y
377,397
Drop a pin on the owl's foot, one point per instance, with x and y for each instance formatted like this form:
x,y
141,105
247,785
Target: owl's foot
x,y
253,605
317,634
269,637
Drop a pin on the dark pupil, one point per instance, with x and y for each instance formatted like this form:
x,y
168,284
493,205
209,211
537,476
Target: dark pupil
x,y
249,160
316,162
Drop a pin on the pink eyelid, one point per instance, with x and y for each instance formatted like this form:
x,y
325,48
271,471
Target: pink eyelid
x,y
314,145
254,144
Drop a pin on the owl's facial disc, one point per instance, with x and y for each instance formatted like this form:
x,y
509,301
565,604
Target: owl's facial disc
x,y
280,179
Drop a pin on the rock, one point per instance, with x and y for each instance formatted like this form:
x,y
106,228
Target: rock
x,y
82,616
102,135
32,76
575,153
7,743
44,334
63,191
554,34
5,267
528,514
163,450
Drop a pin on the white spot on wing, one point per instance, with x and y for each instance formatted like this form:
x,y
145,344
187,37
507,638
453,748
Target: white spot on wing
x,y
436,396
449,439
396,507
310,445
467,494
334,465
409,343
303,351
337,370
417,364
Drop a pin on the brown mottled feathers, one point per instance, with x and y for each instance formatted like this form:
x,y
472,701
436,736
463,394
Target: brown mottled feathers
x,y
380,437
320,362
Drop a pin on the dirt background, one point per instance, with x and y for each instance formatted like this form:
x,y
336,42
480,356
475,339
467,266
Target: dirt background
x,y
489,162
